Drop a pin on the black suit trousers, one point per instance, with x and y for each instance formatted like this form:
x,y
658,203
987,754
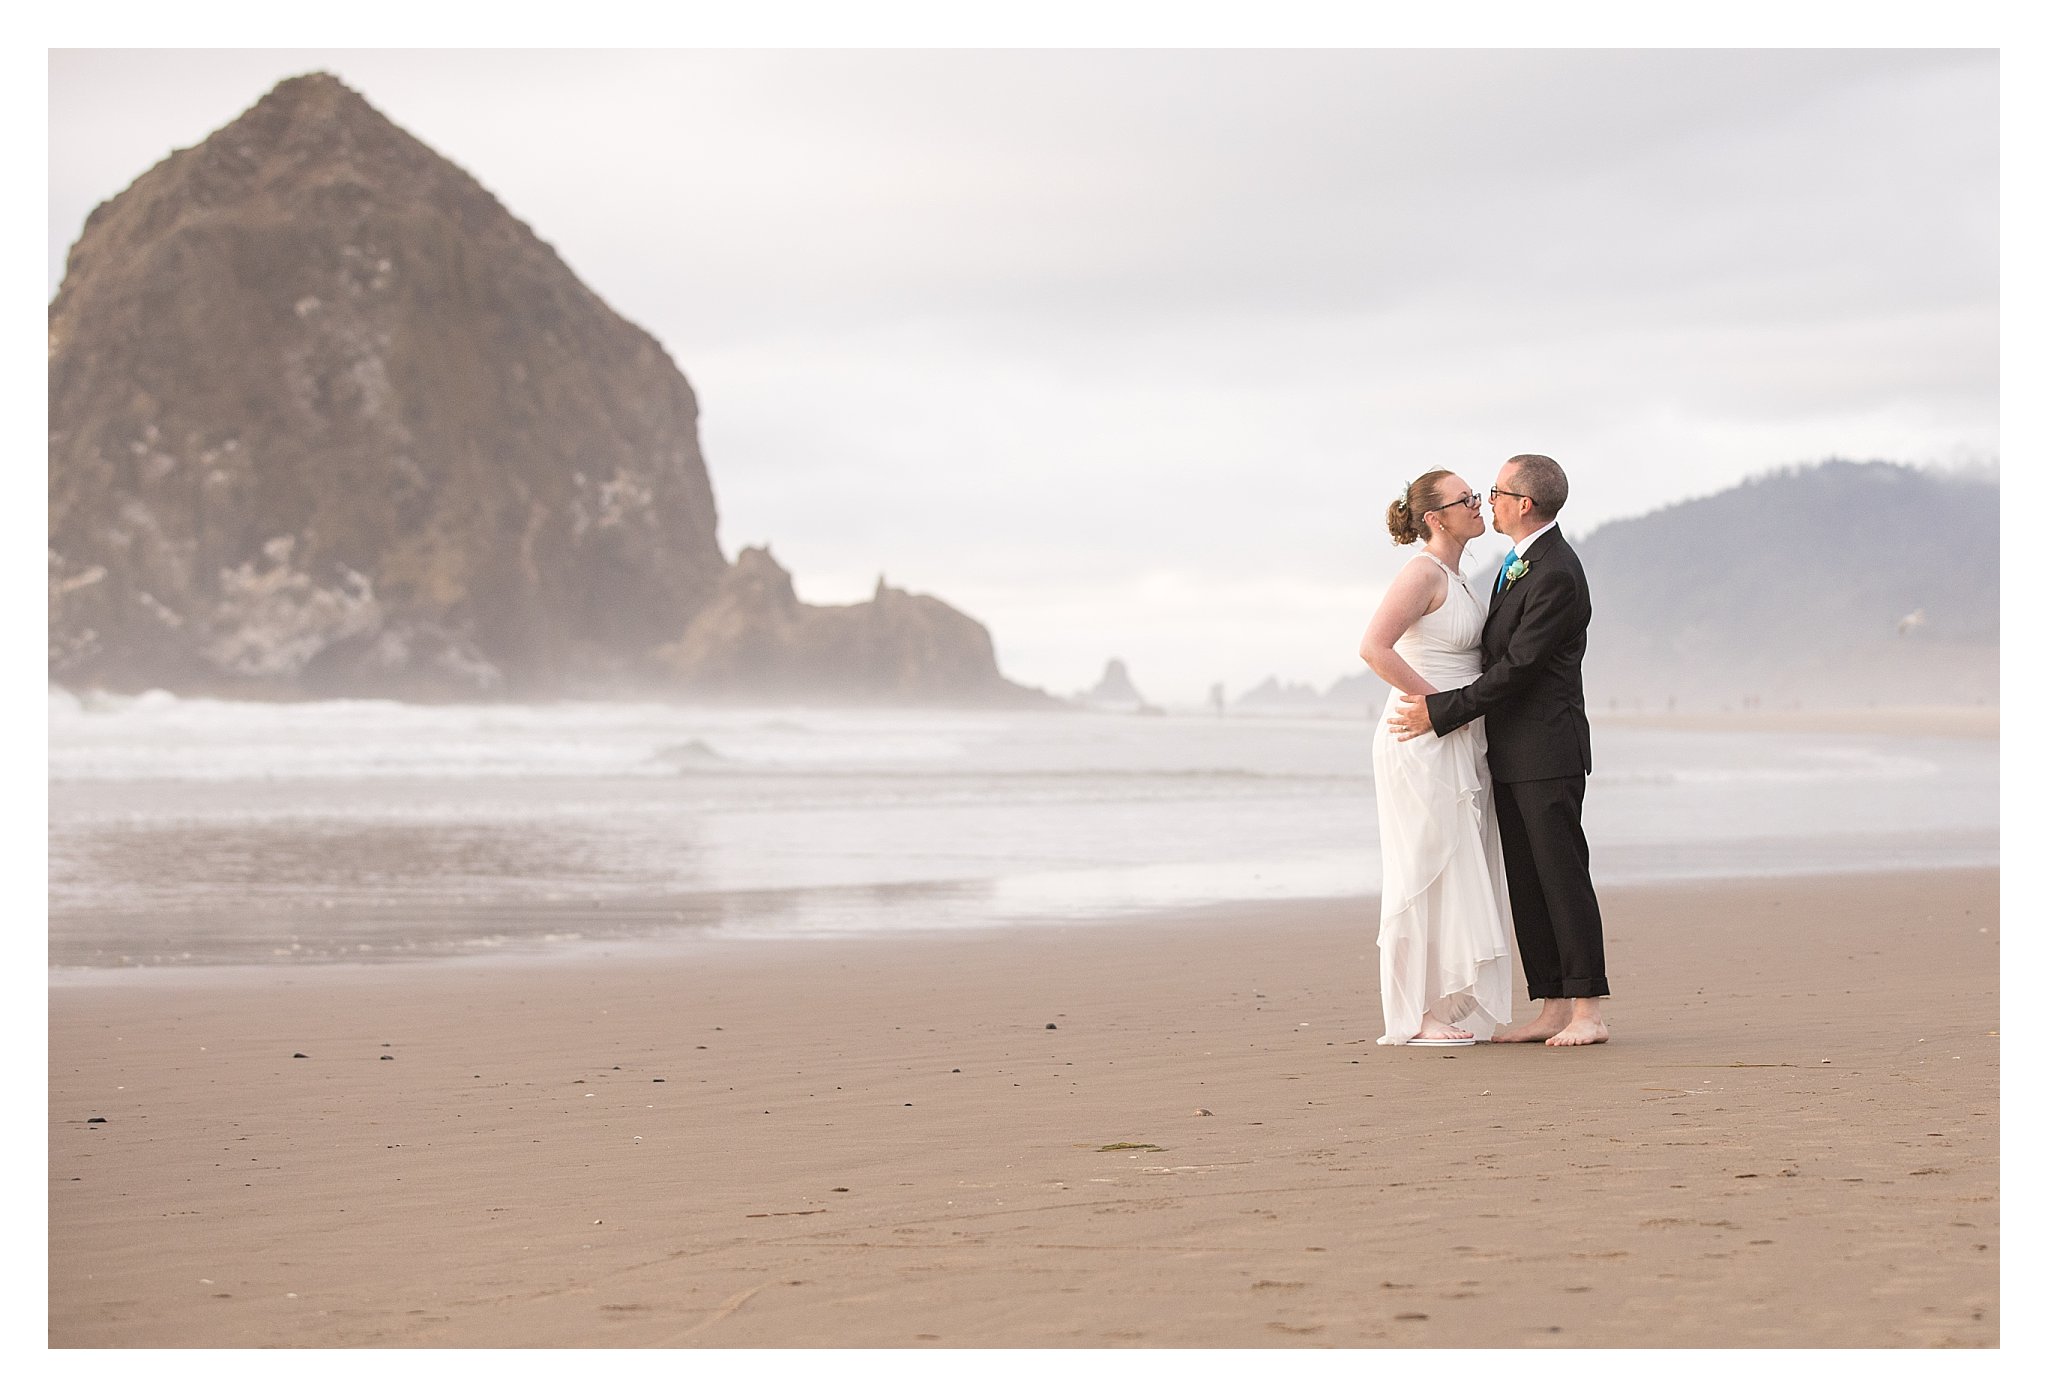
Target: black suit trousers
x,y
1550,887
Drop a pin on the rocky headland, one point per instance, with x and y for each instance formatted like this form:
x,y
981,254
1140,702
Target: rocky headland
x,y
754,640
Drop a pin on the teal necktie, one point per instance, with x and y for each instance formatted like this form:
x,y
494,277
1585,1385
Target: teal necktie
x,y
1505,564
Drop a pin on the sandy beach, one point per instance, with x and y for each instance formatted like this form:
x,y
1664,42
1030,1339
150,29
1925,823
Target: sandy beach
x,y
1953,720
1169,1133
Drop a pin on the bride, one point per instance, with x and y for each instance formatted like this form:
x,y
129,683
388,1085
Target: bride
x,y
1444,918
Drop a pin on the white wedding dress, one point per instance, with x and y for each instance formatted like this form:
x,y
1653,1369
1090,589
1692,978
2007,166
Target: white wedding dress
x,y
1444,918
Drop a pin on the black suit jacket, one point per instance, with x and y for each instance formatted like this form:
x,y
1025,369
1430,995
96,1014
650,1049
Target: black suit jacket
x,y
1531,692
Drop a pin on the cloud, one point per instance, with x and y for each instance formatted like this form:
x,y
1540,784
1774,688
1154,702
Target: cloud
x,y
1024,327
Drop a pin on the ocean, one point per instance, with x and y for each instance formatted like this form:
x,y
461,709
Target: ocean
x,y
194,832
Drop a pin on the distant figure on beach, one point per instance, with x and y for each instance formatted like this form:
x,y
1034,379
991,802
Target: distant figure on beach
x,y
1540,750
1444,930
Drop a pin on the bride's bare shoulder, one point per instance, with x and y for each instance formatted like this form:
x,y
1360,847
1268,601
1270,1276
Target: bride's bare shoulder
x,y
1424,577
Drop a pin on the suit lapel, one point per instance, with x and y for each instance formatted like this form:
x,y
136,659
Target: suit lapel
x,y
1488,633
1541,546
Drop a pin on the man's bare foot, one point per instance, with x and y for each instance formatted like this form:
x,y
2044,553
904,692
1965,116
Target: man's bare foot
x,y
1556,1014
1578,1034
1435,1030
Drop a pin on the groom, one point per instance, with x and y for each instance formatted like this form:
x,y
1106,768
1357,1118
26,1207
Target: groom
x,y
1539,749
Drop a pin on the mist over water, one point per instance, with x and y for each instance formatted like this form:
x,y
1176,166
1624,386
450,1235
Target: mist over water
x,y
202,832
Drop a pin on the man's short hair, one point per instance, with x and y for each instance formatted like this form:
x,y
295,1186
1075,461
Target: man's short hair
x,y
1542,480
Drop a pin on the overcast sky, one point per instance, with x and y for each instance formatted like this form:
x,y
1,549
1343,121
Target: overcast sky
x,y
1124,353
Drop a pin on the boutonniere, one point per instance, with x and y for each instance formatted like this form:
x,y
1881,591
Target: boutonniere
x,y
1516,571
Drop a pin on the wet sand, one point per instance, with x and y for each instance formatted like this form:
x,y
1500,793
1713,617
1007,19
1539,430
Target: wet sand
x,y
885,1144
1980,721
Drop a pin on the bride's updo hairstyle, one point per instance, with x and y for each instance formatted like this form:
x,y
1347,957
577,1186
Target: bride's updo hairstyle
x,y
1404,516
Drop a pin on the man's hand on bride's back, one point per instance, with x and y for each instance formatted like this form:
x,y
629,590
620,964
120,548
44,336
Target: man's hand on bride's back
x,y
1412,720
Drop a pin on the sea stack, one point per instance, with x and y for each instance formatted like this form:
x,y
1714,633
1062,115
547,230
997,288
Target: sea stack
x,y
326,419
1114,690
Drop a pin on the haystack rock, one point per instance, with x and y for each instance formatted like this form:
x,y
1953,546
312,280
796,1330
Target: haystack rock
x,y
326,419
